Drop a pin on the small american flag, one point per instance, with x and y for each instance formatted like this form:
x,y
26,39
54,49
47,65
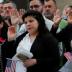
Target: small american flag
x,y
11,65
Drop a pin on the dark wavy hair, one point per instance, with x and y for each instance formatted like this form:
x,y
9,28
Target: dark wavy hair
x,y
38,16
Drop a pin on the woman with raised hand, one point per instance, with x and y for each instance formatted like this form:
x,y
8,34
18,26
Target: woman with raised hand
x,y
39,42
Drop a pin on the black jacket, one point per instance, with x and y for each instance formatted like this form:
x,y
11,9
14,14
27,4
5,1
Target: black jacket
x,y
44,49
65,36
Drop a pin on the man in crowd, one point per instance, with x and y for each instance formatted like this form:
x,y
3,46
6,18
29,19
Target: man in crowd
x,y
37,5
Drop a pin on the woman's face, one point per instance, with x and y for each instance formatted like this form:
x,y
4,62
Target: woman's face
x,y
31,24
1,25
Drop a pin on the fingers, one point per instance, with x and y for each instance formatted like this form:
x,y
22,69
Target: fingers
x,y
30,62
57,13
12,29
11,33
70,18
68,56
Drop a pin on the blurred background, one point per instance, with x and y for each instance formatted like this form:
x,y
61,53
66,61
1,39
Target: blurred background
x,y
24,3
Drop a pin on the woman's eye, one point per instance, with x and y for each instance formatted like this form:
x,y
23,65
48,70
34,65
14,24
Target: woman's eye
x,y
30,20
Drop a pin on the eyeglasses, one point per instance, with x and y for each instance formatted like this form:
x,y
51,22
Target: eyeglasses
x,y
8,7
34,6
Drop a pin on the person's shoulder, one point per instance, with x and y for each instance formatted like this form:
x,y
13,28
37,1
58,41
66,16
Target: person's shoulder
x,y
48,21
49,37
21,30
21,36
23,27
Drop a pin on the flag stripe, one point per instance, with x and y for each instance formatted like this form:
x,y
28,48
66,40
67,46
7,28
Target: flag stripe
x,y
11,65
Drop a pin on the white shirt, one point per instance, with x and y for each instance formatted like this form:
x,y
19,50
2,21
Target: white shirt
x,y
48,23
25,46
21,30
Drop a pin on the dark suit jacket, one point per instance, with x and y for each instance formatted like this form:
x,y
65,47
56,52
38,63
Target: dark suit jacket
x,y
44,49
3,32
65,35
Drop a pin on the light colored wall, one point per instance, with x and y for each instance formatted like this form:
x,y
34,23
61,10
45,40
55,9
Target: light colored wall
x,y
62,3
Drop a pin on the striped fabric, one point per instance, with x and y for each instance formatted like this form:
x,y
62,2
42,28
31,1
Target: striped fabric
x,y
11,65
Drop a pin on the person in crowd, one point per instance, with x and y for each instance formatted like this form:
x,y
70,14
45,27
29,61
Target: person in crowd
x,y
51,11
12,16
37,5
65,36
1,8
66,11
38,41
3,36
62,28
49,8
3,30
7,9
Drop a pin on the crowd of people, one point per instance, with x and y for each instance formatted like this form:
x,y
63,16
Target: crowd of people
x,y
37,38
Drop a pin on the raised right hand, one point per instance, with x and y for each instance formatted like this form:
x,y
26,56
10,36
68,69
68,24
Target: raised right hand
x,y
11,33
